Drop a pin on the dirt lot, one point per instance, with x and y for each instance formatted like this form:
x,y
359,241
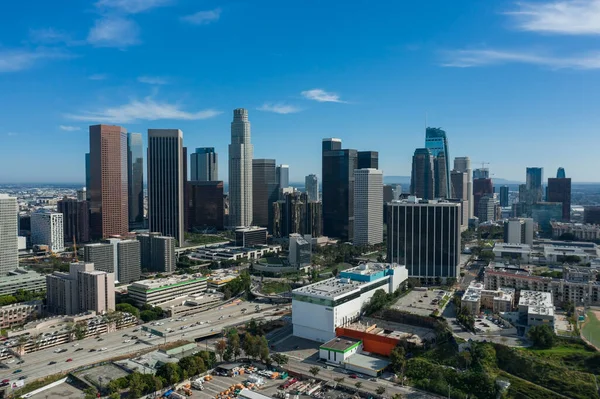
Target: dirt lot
x,y
107,373
63,390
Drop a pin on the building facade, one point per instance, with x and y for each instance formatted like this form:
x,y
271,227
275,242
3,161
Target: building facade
x,y
460,191
250,236
591,214
544,213
9,242
135,179
207,206
424,236
204,165
559,190
504,196
519,231
463,164
76,222
265,191
158,291
47,229
157,252
422,180
108,186
166,180
486,209
283,176
436,142
482,187
311,186
241,153
368,206
367,160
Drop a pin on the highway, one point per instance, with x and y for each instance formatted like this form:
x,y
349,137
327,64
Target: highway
x,y
37,364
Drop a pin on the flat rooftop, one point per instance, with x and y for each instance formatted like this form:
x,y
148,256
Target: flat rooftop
x,y
341,344
167,282
367,362
535,299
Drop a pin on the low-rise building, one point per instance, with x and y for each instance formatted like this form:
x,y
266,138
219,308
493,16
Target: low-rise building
x,y
21,279
158,291
537,307
227,252
300,251
250,236
521,252
581,231
339,349
471,299
317,309
19,313
476,298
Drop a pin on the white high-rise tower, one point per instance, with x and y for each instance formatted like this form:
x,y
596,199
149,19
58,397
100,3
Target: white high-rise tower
x,y
463,164
368,206
241,152
9,247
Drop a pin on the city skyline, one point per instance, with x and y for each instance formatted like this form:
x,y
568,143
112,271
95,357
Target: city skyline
x,y
526,81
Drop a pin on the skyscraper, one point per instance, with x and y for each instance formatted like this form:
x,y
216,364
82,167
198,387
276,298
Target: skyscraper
x,y
241,152
76,222
481,173
109,207
367,160
206,205
437,144
422,176
463,164
283,176
47,229
311,186
87,176
504,196
166,178
9,242
424,236
157,252
338,189
533,183
460,186
481,188
559,190
560,173
368,206
135,179
264,191
205,164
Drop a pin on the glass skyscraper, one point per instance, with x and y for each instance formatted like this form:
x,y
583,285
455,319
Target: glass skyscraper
x,y
437,143
135,179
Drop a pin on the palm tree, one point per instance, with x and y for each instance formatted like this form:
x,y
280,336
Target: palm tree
x,y
380,390
358,385
314,370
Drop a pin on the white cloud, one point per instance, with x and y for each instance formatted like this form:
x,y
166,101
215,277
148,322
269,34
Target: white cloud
x,y
203,17
98,76
20,59
321,96
572,17
148,110
69,128
279,108
12,134
475,58
49,36
152,80
114,32
132,6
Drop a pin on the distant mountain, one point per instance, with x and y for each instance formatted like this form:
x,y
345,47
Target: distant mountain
x,y
403,180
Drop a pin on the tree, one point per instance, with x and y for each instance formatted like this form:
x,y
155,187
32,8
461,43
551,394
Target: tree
x,y
251,345
90,392
339,380
397,359
542,336
380,390
263,349
220,347
128,308
114,395
314,370
487,256
279,359
171,372
358,385
233,343
136,385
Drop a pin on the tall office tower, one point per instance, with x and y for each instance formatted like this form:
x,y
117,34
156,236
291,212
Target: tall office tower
x,y
559,190
460,186
82,194
437,143
264,191
388,196
109,208
9,241
241,152
560,173
283,176
166,180
481,173
87,176
533,183
129,261
157,252
519,231
82,289
422,177
504,196
591,214
338,189
76,222
481,188
463,164
205,164
313,219
47,229
486,209
368,206
424,236
135,179
206,205
311,186
295,214
367,160
103,255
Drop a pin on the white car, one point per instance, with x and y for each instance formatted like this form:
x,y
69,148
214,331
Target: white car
x,y
127,341
103,349
10,361
74,345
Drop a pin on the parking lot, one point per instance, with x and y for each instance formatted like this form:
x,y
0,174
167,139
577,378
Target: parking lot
x,y
486,325
219,384
421,302
64,390
102,375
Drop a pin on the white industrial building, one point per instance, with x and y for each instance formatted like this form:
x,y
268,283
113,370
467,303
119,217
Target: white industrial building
x,y
47,229
537,307
317,309
368,206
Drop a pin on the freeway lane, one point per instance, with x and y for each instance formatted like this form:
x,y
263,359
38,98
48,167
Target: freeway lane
x,y
36,364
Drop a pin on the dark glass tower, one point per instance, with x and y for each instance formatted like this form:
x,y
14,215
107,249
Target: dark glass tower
x,y
422,176
559,190
560,173
368,160
204,164
135,179
437,143
338,189
504,196
264,191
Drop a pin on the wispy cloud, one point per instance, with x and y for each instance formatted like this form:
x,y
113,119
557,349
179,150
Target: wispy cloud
x,y
322,96
478,58
568,17
132,6
12,134
20,59
69,128
147,109
51,36
98,76
153,80
203,17
114,32
279,108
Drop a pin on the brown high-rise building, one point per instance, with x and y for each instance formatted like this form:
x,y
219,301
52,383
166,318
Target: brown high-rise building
x,y
109,213
206,205
559,190
76,223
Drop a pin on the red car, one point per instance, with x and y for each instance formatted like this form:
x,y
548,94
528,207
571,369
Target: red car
x,y
69,360
5,381
353,376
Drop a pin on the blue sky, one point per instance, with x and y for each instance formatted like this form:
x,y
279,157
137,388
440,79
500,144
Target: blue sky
x,y
513,83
